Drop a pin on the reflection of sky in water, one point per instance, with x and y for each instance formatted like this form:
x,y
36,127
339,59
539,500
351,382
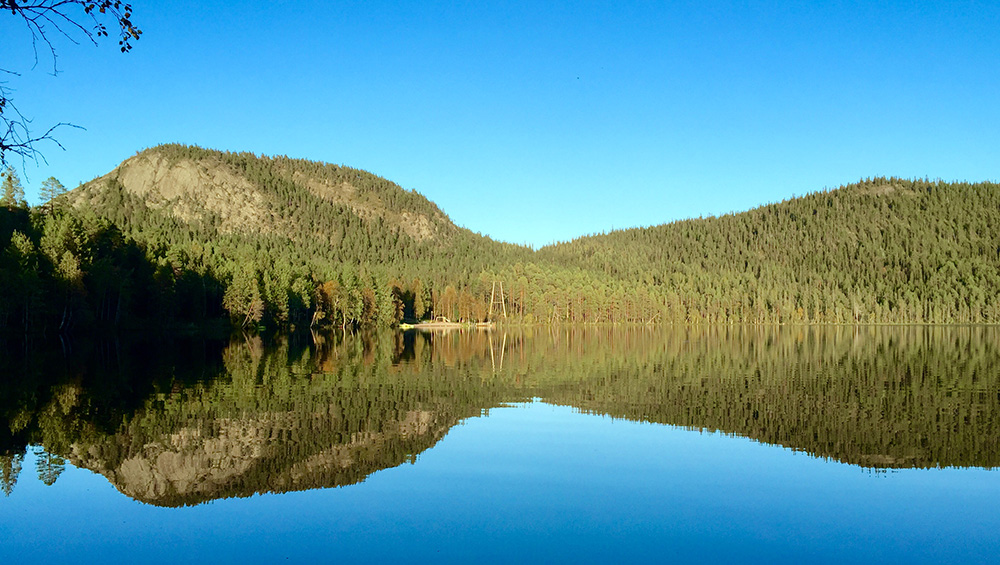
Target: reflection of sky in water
x,y
539,482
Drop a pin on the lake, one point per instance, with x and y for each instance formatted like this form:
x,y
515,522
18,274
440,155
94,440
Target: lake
x,y
750,444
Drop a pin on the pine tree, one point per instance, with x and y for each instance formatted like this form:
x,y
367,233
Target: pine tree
x,y
51,189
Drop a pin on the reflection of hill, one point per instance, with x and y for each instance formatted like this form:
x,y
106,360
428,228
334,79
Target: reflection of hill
x,y
871,396
275,424
293,416
876,397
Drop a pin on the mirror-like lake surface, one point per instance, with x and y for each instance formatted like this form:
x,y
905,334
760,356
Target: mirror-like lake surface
x,y
706,443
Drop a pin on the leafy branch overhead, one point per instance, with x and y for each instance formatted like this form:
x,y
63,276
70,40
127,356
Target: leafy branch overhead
x,y
45,20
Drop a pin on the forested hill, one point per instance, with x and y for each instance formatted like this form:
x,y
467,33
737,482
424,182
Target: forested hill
x,y
881,250
245,193
331,213
286,240
185,234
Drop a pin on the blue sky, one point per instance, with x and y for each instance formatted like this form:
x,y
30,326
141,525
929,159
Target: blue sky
x,y
537,122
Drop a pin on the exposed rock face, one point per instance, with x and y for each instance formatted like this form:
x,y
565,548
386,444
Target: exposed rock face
x,y
195,185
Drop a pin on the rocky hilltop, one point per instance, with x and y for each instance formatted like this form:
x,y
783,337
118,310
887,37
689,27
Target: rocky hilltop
x,y
242,192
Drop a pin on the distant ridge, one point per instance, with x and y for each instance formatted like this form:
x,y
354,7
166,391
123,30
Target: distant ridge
x,y
881,250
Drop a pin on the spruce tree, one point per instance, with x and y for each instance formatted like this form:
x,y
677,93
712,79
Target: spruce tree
x,y
12,192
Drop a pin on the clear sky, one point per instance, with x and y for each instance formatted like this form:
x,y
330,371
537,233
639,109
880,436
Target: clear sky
x,y
536,122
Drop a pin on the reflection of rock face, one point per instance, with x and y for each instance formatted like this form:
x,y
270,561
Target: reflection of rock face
x,y
190,465
416,424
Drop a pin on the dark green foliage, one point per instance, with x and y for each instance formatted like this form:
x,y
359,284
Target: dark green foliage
x,y
64,271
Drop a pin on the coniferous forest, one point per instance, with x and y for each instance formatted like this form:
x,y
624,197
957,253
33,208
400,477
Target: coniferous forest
x,y
180,236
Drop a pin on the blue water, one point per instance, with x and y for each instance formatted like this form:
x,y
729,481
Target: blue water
x,y
539,483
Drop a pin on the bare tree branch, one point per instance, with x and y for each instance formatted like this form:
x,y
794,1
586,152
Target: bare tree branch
x,y
42,17
15,136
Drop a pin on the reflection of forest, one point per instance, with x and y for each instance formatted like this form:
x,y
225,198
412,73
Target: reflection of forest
x,y
876,397
266,419
186,422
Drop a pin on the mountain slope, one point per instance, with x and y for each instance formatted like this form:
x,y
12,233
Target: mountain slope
x,y
340,212
882,250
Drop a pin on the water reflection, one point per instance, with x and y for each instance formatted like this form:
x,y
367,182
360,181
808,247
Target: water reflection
x,y
188,421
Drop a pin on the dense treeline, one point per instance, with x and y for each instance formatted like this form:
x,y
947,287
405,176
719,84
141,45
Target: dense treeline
x,y
62,271
280,242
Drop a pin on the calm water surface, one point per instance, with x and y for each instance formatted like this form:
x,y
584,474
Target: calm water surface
x,y
719,444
